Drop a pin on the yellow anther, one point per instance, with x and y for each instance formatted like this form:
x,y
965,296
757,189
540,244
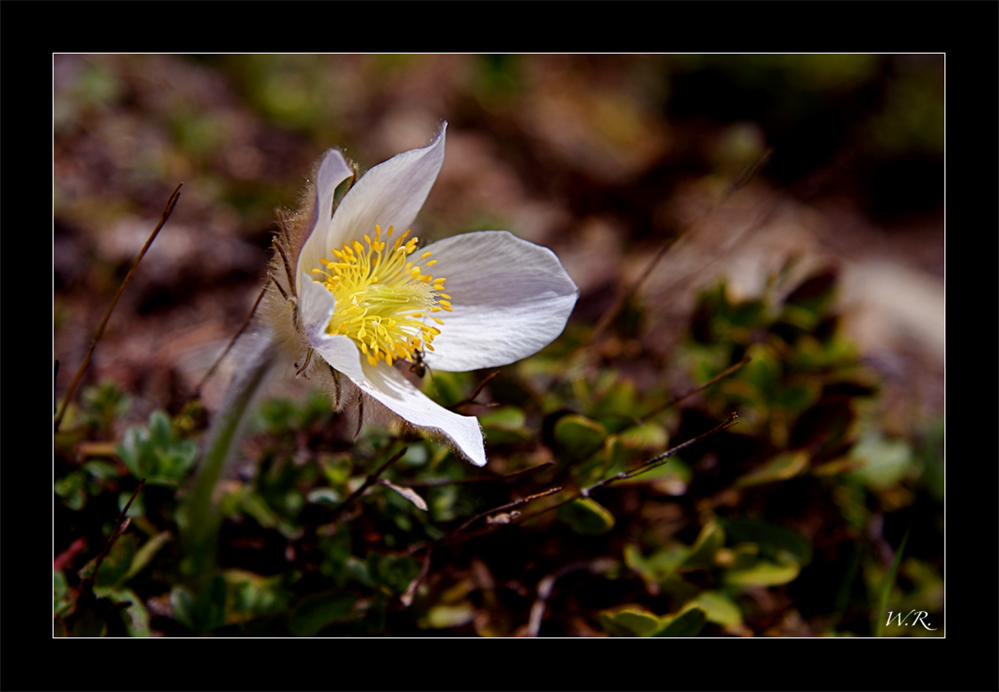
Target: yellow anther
x,y
383,299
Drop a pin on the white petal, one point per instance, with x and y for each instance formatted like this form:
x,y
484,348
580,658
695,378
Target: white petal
x,y
315,308
390,194
510,298
391,388
333,171
383,382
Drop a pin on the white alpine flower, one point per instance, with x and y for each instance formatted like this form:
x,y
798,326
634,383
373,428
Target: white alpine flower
x,y
368,298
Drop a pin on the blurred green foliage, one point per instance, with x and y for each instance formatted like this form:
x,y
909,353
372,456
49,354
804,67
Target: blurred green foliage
x,y
156,453
764,528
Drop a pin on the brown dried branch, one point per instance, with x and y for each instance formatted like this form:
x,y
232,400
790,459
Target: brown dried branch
x,y
476,479
502,508
471,399
545,586
368,482
624,296
701,387
167,210
232,341
661,459
121,524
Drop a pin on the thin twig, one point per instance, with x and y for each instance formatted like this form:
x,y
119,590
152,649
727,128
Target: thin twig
x,y
456,536
768,208
277,285
623,298
407,598
360,416
635,471
336,385
661,459
167,210
301,371
368,482
287,265
471,399
502,508
249,318
683,397
477,479
460,534
121,524
545,586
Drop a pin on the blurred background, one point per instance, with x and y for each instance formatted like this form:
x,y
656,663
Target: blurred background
x,y
600,157
603,158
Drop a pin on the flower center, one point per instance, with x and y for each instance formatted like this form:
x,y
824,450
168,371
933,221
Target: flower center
x,y
382,298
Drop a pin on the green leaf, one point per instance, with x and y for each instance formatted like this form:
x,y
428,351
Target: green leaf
x,y
182,604
614,396
645,436
503,418
763,573
446,387
133,611
394,571
324,496
779,468
445,615
72,490
719,608
210,604
117,563
103,471
62,597
689,623
710,539
671,478
144,554
156,453
823,427
578,437
505,424
777,542
880,614
320,610
586,517
202,613
886,462
796,398
337,469
764,371
104,403
815,294
254,596
659,565
630,621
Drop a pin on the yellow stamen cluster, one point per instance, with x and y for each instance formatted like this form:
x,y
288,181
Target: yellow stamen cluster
x,y
382,298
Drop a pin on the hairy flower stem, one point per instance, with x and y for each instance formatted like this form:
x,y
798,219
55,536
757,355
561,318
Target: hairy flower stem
x,y
201,518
